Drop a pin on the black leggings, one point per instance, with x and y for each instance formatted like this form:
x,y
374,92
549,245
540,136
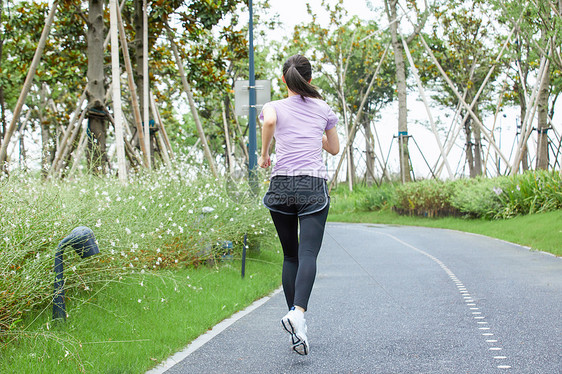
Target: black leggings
x,y
299,265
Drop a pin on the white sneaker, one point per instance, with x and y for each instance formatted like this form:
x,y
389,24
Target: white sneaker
x,y
295,324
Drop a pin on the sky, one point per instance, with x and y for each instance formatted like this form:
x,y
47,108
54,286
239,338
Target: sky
x,y
293,12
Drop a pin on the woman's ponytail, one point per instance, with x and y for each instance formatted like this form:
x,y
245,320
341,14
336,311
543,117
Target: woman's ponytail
x,y
298,72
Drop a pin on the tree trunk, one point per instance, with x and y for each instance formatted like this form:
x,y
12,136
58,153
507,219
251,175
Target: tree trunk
x,y
369,153
542,126
47,150
139,66
477,152
477,171
47,142
192,106
401,90
229,152
116,92
23,164
26,88
469,148
2,102
131,82
523,113
97,153
350,166
3,109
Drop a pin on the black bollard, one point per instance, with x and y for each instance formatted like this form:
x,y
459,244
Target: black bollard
x,y
244,255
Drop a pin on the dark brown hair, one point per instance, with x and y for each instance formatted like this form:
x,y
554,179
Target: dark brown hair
x,y
298,72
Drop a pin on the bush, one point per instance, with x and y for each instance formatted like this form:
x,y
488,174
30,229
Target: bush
x,y
478,197
488,198
429,198
362,198
531,192
377,198
158,220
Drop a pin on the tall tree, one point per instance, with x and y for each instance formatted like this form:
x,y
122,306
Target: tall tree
x,y
539,31
60,76
209,62
27,85
97,152
461,46
392,11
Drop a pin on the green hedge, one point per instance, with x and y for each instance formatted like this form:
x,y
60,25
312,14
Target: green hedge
x,y
489,198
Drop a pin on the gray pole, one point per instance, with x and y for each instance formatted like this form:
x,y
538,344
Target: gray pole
x,y
252,162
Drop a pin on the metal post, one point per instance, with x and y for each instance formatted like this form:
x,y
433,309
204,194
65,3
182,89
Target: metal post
x,y
58,301
252,162
244,254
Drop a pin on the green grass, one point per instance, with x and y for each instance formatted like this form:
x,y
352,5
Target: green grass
x,y
136,322
541,231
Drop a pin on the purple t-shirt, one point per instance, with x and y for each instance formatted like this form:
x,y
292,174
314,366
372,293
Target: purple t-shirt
x,y
298,135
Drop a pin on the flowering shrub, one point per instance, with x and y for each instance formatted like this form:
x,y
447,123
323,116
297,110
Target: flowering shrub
x,y
162,219
430,198
489,198
478,197
531,192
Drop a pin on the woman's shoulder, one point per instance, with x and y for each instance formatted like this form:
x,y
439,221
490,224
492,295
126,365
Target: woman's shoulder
x,y
276,103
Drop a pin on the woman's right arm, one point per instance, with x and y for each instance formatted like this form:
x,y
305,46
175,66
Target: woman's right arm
x,y
331,142
268,129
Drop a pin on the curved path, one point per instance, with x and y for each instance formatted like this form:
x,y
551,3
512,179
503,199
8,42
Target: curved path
x,y
407,300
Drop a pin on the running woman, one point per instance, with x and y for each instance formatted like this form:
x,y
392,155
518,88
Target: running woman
x,y
302,124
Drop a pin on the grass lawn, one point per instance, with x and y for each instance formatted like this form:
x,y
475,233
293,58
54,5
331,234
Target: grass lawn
x,y
133,324
539,231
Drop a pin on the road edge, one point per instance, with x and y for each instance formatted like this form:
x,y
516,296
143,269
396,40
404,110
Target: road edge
x,y
205,338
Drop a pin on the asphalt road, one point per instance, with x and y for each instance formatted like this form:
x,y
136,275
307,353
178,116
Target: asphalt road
x,y
407,300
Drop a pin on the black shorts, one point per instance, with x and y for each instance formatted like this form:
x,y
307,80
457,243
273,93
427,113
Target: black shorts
x,y
296,195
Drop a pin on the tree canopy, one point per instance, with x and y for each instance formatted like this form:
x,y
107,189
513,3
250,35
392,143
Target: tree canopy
x,y
474,58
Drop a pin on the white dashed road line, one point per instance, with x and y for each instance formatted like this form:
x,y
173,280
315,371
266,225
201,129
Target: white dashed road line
x,y
469,300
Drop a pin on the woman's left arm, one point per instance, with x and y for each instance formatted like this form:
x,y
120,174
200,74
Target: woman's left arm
x,y
268,129
331,142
